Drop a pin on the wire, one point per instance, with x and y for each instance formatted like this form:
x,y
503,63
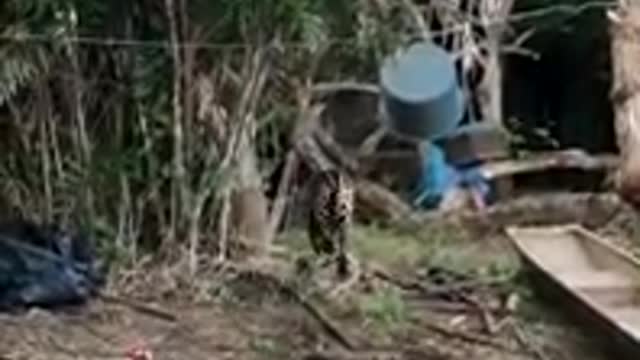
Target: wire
x,y
201,45
128,42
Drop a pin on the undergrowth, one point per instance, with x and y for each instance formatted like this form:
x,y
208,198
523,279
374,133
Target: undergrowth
x,y
386,310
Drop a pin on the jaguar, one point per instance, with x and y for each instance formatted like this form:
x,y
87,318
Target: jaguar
x,y
330,216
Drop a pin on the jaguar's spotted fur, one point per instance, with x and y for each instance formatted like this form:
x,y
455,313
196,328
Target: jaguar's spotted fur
x,y
331,211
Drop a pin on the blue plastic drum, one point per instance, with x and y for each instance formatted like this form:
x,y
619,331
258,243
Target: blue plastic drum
x,y
421,98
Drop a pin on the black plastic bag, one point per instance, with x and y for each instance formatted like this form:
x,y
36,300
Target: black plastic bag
x,y
45,266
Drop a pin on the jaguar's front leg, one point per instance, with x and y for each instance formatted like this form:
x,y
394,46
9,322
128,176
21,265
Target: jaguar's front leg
x,y
351,278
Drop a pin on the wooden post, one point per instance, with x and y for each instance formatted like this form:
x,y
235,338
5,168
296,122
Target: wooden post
x,y
625,54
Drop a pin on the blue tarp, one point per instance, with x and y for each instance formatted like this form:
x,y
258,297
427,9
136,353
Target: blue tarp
x,y
438,177
45,266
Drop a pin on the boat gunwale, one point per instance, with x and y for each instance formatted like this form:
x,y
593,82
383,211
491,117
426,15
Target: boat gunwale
x,y
578,231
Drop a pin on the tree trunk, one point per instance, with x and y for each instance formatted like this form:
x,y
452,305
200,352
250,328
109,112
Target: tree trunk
x,y
494,14
625,54
249,216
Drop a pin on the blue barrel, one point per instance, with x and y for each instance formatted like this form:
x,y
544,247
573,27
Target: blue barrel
x,y
421,98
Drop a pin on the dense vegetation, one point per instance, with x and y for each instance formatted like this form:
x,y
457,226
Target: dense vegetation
x,y
92,136
119,116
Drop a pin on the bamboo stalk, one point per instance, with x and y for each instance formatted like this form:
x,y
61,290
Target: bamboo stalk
x,y
177,190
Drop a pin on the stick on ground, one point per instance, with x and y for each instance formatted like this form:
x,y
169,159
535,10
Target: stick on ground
x,y
142,308
323,320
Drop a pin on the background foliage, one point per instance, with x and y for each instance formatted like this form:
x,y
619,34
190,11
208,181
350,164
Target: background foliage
x,y
86,100
88,93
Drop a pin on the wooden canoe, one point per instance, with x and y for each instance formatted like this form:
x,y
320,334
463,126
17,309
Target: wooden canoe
x,y
596,282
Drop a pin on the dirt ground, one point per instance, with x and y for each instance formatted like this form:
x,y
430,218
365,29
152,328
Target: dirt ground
x,y
222,318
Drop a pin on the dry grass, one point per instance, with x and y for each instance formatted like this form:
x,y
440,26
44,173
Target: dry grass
x,y
244,320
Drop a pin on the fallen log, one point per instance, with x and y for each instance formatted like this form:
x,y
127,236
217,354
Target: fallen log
x,y
591,210
566,159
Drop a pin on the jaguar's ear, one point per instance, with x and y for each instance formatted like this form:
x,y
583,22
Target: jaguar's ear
x,y
351,180
347,180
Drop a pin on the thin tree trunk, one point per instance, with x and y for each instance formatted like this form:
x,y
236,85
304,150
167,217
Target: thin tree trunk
x,y
248,205
178,191
625,53
494,14
493,82
83,142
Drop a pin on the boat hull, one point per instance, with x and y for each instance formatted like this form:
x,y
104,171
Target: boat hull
x,y
595,284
